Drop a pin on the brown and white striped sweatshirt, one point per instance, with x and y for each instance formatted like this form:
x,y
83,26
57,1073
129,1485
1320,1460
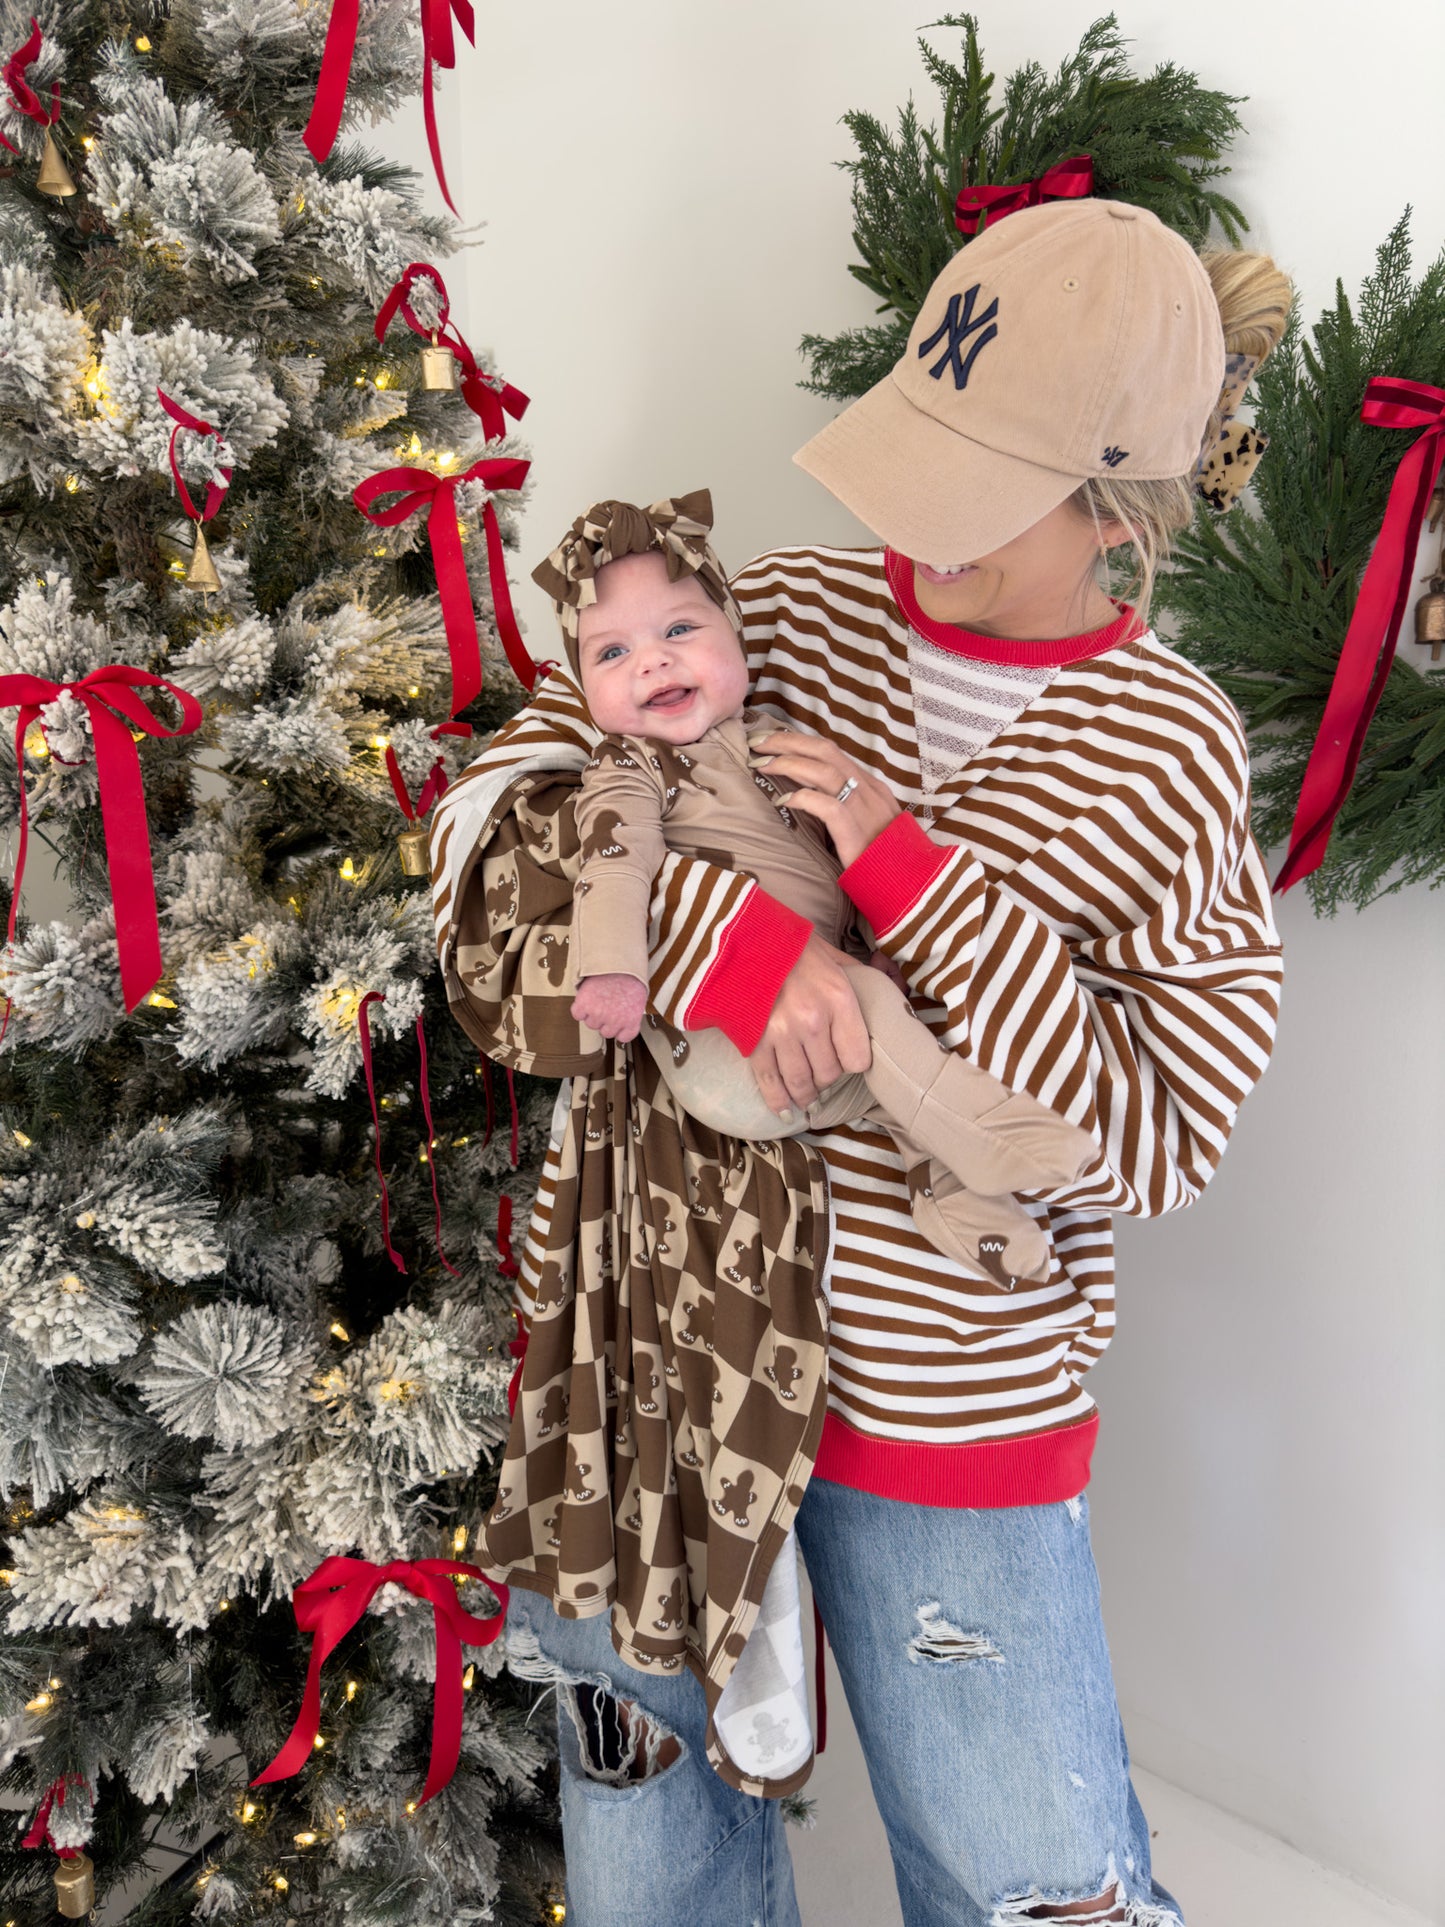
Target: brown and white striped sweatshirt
x,y
1079,908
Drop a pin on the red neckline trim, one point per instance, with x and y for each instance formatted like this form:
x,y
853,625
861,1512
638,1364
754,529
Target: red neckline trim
x,y
967,642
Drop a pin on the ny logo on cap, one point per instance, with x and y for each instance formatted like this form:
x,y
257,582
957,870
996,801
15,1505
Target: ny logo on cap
x,y
958,327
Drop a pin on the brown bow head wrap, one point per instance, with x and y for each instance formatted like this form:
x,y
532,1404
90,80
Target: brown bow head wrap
x,y
677,528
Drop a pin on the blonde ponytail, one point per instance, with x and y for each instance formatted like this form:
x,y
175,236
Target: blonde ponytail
x,y
1253,296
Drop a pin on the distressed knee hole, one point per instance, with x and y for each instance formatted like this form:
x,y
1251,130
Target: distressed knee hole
x,y
1101,1908
1110,1905
941,1643
621,1744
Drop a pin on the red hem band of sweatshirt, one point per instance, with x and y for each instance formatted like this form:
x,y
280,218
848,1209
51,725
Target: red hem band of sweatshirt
x,y
898,868
1042,1469
968,642
759,947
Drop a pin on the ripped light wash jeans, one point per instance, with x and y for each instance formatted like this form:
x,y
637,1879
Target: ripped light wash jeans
x,y
972,1652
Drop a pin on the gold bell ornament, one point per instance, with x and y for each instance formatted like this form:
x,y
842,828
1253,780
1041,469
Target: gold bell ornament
x,y
54,176
202,572
75,1886
415,858
438,367
1430,615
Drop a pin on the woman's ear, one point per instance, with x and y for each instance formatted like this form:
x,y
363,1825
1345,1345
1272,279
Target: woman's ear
x,y
1112,535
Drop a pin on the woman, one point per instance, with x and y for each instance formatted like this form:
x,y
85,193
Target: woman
x,y
1044,817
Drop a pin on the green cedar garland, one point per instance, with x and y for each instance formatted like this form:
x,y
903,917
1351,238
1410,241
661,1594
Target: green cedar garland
x,y
1158,141
1262,597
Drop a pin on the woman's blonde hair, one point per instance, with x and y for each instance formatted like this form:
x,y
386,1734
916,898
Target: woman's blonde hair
x,y
1253,295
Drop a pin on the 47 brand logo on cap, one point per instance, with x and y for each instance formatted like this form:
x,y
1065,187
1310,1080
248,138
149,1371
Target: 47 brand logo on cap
x,y
958,323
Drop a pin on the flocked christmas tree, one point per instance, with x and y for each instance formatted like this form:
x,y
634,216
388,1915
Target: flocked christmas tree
x,y
212,1373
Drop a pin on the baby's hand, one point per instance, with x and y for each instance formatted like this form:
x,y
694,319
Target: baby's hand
x,y
612,1005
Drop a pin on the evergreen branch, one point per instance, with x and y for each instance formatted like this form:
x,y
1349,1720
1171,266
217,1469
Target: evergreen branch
x,y
1158,140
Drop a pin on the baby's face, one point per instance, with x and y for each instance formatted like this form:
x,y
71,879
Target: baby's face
x,y
658,658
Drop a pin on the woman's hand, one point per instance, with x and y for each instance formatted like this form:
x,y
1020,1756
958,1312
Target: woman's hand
x,y
823,769
611,1004
815,1034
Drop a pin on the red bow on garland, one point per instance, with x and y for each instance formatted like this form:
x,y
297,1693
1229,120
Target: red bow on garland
x,y
184,419
23,96
1369,645
115,709
1068,181
489,397
438,44
328,1605
420,488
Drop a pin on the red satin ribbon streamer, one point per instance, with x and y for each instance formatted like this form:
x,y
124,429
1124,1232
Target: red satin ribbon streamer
x,y
509,1267
185,420
1068,181
110,696
22,94
39,1834
438,48
333,1599
363,1029
420,488
489,397
1369,645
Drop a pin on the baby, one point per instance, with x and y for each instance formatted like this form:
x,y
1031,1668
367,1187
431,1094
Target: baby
x,y
653,636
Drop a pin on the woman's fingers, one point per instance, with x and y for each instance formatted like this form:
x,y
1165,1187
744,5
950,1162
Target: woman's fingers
x,y
815,1034
852,824
770,1085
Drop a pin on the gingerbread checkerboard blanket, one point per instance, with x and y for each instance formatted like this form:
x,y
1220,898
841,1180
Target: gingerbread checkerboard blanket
x,y
673,1390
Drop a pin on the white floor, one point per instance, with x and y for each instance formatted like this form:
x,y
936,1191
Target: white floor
x,y
1223,1872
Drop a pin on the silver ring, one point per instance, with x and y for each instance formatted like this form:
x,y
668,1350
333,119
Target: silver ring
x,y
847,789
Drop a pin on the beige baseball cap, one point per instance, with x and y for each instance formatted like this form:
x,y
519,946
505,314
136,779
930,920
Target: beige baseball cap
x,y
1069,340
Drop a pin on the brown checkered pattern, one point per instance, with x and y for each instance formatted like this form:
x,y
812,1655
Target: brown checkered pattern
x,y
674,1386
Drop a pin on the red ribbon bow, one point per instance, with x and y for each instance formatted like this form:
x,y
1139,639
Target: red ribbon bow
x,y
328,1605
39,1834
1068,181
184,419
22,94
436,777
1369,645
420,488
489,397
115,709
438,48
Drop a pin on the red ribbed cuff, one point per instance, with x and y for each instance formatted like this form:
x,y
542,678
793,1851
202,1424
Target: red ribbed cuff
x,y
759,947
898,867
1041,1470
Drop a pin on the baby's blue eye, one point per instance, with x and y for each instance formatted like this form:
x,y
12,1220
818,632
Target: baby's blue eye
x,y
612,649
686,628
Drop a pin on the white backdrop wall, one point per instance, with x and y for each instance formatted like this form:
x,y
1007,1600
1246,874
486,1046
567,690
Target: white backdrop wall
x,y
663,221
